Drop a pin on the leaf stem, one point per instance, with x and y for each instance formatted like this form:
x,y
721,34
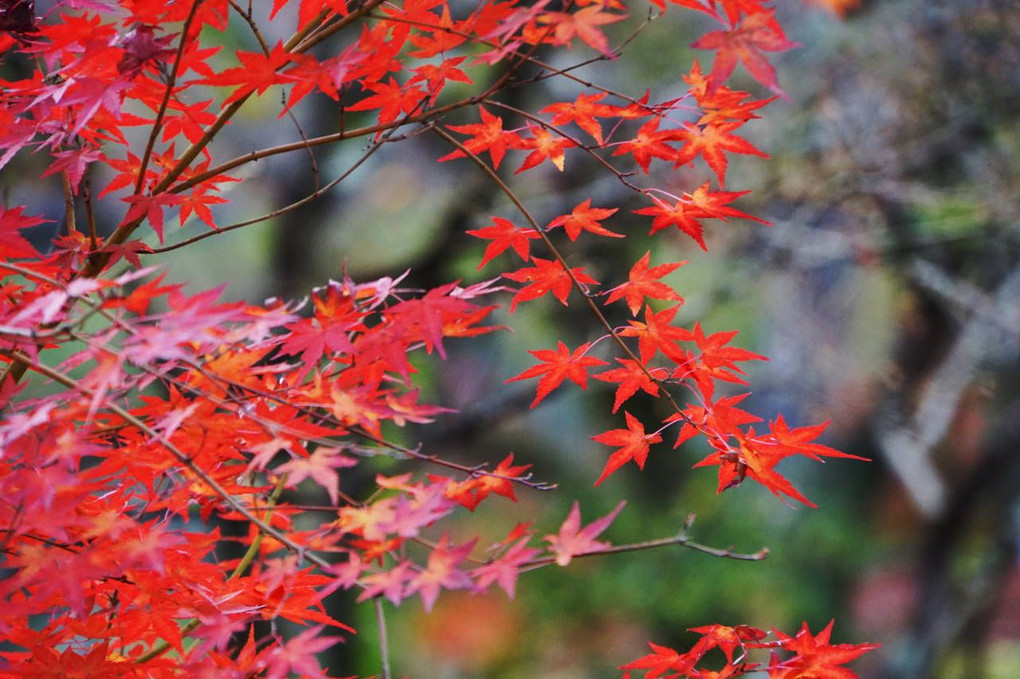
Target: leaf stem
x,y
157,124
384,644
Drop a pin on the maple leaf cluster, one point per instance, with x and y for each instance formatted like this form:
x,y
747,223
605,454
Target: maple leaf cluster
x,y
138,417
812,655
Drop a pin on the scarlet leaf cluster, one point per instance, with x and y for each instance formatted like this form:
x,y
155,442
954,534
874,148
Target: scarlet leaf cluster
x,y
139,416
812,655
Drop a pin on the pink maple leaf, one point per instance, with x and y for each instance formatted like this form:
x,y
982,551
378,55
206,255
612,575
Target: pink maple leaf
x,y
574,540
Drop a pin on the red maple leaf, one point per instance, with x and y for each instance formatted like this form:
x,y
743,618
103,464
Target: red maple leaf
x,y
298,655
488,135
722,103
392,584
721,418
559,365
198,201
321,467
656,334
663,659
583,111
504,234
438,40
437,77
12,243
257,72
584,217
631,377
681,214
714,203
392,99
633,442
545,277
650,143
686,214
427,318
717,361
471,491
751,458
728,638
643,282
499,480
442,572
150,207
815,656
799,440
74,162
755,456
734,8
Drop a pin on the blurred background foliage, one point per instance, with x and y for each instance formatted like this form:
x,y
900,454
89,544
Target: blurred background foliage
x,y
886,293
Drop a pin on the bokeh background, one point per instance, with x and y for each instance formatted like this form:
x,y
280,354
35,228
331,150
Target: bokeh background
x,y
886,293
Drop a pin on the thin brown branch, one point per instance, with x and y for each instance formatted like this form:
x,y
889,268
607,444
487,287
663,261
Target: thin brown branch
x,y
680,540
319,191
121,234
98,260
319,32
157,124
69,218
246,16
551,71
423,117
253,156
90,216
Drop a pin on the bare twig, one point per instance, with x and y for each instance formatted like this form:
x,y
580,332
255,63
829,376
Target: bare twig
x,y
680,539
